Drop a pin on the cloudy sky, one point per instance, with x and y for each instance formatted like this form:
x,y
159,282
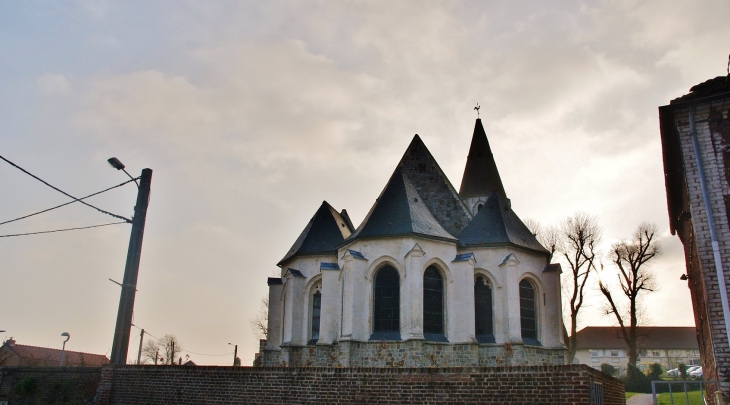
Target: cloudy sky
x,y
252,113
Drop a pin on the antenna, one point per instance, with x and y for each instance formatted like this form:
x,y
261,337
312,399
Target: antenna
x,y
477,107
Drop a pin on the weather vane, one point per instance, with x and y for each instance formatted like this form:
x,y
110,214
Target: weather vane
x,y
477,108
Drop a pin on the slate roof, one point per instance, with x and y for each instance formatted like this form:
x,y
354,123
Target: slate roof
x,y
718,85
44,356
650,337
481,176
431,183
497,224
400,211
324,232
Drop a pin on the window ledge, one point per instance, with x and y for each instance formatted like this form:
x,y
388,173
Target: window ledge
x,y
486,339
385,336
435,337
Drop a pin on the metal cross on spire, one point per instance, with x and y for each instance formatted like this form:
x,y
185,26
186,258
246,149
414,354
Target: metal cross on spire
x,y
477,108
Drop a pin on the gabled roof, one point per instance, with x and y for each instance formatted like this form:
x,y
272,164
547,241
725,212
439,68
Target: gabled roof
x,y
650,337
323,233
497,224
399,211
432,184
44,356
481,177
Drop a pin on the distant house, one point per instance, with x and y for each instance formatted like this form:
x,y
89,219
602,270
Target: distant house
x,y
15,355
666,345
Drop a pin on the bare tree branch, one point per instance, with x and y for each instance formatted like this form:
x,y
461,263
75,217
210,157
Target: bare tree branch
x,y
260,323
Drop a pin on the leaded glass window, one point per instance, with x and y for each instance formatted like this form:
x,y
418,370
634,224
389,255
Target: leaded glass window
x,y
433,301
483,320
528,311
316,312
387,301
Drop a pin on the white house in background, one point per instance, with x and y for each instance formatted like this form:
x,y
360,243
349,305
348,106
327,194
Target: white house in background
x,y
431,277
666,345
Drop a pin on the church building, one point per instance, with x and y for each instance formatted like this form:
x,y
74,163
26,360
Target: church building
x,y
430,278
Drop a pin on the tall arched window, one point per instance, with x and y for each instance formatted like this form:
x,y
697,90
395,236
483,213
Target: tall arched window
x,y
528,313
433,304
386,304
483,323
316,313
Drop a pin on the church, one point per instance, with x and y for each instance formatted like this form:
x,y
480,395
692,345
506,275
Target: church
x,y
430,278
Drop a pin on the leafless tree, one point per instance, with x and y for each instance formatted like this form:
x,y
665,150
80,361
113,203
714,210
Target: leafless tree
x,y
549,237
631,258
578,239
260,323
166,348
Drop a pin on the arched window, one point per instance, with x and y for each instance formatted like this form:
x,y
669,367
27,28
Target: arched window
x,y
528,313
386,304
479,207
483,323
316,314
433,304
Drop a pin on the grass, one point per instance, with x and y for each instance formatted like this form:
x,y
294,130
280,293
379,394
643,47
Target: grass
x,y
630,394
679,399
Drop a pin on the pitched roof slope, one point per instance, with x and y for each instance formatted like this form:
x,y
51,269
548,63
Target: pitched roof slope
x,y
431,183
718,85
650,337
323,233
497,224
44,356
398,211
481,176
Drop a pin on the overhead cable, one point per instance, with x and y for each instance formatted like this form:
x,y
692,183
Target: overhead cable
x,y
70,202
65,193
62,230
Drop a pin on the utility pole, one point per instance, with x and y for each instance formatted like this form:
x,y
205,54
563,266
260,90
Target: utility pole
x,y
139,353
131,271
235,355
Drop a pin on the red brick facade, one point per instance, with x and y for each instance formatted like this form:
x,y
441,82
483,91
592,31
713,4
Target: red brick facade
x,y
279,385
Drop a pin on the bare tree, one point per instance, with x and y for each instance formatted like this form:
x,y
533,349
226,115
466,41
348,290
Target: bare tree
x,y
166,350
260,323
549,237
631,257
579,236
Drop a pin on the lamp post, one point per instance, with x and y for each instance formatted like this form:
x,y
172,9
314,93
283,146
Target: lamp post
x,y
123,327
63,350
235,354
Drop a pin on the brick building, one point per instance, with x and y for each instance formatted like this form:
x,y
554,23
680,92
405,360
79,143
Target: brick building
x,y
15,355
695,133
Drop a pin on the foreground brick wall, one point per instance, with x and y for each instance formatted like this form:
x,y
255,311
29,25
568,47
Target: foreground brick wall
x,y
48,385
279,385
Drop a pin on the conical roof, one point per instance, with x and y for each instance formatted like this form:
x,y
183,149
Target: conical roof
x,y
400,211
497,224
323,233
432,184
481,177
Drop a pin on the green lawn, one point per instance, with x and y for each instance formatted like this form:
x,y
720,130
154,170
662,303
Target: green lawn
x,y
679,399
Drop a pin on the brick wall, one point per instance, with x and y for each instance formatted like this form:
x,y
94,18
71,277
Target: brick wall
x,y
278,385
713,133
48,385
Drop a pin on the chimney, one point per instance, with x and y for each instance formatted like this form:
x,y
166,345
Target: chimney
x,y
10,342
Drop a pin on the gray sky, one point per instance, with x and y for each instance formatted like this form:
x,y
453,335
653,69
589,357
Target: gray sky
x,y
252,113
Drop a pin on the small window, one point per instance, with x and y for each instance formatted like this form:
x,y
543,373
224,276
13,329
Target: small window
x,y
483,322
316,312
386,304
528,313
596,353
433,304
614,353
479,207
655,353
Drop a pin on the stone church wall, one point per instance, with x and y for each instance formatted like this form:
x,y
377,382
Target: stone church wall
x,y
412,353
182,385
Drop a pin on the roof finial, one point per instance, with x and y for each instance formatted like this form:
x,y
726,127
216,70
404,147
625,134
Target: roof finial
x,y
477,108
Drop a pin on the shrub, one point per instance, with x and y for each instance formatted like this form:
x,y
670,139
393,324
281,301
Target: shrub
x,y
655,370
636,381
608,369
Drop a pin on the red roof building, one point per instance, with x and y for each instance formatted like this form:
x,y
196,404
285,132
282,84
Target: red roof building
x,y
15,355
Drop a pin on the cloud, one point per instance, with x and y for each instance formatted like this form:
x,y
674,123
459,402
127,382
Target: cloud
x,y
53,85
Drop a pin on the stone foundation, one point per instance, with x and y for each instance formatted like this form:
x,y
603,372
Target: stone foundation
x,y
411,353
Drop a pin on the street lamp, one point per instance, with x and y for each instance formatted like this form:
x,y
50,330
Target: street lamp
x,y
63,350
120,345
235,354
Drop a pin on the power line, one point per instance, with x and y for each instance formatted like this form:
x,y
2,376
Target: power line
x,y
62,230
64,204
182,350
65,193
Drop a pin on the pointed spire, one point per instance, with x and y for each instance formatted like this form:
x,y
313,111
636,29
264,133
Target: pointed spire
x,y
481,177
432,184
400,211
323,233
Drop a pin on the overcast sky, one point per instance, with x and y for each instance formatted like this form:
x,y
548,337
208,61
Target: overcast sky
x,y
252,113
